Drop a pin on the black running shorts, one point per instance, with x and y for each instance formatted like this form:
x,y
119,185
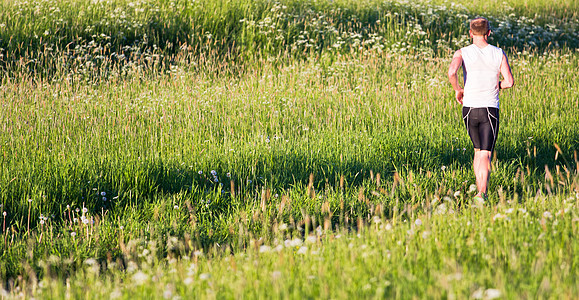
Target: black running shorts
x,y
482,125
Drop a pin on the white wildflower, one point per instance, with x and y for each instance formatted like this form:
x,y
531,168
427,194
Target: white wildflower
x,y
492,294
116,294
140,278
188,281
132,267
311,239
441,209
472,188
498,216
293,243
478,294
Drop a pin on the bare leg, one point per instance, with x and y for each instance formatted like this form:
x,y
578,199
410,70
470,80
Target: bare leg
x,y
482,170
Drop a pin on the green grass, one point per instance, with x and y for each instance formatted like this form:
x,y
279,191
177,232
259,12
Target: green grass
x,y
329,143
99,40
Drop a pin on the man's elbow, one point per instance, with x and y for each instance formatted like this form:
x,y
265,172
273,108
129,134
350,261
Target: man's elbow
x,y
508,84
451,74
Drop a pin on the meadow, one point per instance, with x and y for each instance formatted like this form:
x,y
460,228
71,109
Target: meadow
x,y
291,149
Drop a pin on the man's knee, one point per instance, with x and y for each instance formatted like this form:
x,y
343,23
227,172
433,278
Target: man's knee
x,y
485,153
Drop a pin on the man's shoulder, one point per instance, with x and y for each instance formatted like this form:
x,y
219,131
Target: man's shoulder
x,y
495,48
467,47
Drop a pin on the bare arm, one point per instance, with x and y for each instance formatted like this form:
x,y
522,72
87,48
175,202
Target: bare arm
x,y
508,80
453,77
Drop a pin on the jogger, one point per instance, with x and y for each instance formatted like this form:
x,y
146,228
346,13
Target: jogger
x,y
482,64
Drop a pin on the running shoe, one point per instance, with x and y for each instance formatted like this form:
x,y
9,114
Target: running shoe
x,y
479,200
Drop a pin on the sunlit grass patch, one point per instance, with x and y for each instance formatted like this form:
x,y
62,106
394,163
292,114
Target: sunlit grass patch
x,y
505,250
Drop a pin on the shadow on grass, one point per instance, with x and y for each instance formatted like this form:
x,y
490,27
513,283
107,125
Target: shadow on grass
x,y
281,172
161,181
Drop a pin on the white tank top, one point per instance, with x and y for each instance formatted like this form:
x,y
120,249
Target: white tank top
x,y
481,76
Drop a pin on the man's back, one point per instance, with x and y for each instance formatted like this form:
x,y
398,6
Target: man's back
x,y
481,75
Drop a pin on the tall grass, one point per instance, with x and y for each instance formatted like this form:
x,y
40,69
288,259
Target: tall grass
x,y
135,149
107,39
179,159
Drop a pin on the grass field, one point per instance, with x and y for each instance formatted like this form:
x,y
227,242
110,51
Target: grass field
x,y
293,149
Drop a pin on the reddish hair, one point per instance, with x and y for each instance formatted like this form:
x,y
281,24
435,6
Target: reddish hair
x,y
479,26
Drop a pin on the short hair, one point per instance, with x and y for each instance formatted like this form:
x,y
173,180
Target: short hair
x,y
479,26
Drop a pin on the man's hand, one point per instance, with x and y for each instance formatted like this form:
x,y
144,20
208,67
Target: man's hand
x,y
458,95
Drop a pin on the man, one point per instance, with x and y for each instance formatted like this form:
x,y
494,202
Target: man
x,y
482,66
